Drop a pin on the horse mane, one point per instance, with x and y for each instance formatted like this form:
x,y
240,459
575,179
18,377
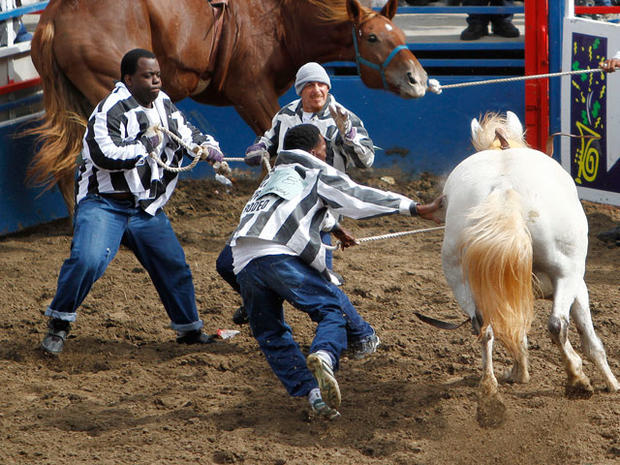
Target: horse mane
x,y
486,138
332,11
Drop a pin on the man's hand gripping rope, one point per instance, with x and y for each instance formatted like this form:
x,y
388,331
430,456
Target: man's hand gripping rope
x,y
210,154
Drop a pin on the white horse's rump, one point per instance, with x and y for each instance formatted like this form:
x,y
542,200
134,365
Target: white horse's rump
x,y
511,213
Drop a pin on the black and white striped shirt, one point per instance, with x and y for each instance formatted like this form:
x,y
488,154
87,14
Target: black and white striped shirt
x,y
359,153
289,206
115,160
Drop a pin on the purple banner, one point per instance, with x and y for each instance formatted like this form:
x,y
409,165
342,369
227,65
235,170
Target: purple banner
x,y
588,104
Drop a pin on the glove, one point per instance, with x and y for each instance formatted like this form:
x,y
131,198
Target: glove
x,y
341,117
151,139
211,154
254,154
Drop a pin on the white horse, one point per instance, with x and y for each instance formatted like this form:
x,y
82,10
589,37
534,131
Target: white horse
x,y
512,213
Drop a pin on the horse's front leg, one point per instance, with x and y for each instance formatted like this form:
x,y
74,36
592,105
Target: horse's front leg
x,y
256,108
578,383
591,344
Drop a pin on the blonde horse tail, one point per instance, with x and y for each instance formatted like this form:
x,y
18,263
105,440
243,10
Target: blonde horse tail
x,y
59,136
496,251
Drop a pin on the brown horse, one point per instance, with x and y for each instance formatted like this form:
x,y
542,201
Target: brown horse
x,y
239,52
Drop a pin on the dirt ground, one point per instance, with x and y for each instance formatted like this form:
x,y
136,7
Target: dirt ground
x,y
123,392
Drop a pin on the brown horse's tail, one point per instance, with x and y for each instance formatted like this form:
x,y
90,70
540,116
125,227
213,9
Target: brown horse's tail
x,y
497,259
59,136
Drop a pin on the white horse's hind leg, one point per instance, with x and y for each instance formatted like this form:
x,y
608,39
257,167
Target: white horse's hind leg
x,y
491,409
591,344
519,373
488,382
577,383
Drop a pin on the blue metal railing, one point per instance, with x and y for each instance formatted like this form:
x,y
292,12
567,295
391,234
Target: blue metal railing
x,y
22,10
30,100
494,10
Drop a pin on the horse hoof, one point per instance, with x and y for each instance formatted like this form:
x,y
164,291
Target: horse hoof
x,y
613,386
580,389
512,376
491,411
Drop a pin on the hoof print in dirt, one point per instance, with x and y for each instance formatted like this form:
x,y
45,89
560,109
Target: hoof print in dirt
x,y
580,391
491,412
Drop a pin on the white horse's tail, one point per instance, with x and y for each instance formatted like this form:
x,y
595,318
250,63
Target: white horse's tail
x,y
496,251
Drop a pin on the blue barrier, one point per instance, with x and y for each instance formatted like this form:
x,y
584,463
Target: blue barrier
x,y
458,9
21,206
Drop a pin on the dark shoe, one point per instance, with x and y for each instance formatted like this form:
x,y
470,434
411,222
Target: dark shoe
x,y
195,337
505,29
475,31
611,236
365,346
54,341
240,317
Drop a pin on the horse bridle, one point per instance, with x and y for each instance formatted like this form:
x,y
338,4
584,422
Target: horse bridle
x,y
360,60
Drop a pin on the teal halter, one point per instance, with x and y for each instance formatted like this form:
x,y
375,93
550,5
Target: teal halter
x,y
382,67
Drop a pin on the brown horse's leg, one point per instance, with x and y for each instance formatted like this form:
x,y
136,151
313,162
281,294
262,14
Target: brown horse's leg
x,y
257,112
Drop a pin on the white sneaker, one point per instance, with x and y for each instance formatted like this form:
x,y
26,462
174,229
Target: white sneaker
x,y
320,408
324,375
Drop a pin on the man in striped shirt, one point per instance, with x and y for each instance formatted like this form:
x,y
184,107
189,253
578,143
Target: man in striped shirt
x,y
120,195
278,256
347,145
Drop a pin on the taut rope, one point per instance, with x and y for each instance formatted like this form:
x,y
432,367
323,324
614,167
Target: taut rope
x,y
387,236
218,167
518,78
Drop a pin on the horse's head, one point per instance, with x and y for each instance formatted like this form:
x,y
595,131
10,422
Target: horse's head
x,y
381,53
484,132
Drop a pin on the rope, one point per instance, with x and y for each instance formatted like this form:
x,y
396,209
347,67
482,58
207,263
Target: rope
x,y
173,169
180,141
520,78
387,236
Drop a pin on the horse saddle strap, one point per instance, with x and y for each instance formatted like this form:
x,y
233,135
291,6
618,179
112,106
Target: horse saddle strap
x,y
219,6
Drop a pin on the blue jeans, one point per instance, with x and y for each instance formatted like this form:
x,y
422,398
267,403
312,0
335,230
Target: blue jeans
x,y
357,327
100,224
224,267
266,282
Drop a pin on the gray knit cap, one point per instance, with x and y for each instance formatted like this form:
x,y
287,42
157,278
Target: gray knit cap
x,y
311,72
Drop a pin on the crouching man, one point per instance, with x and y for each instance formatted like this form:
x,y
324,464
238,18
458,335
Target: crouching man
x,y
278,256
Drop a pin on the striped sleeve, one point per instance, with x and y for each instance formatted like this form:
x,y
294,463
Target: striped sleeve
x,y
347,198
190,134
104,142
281,122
